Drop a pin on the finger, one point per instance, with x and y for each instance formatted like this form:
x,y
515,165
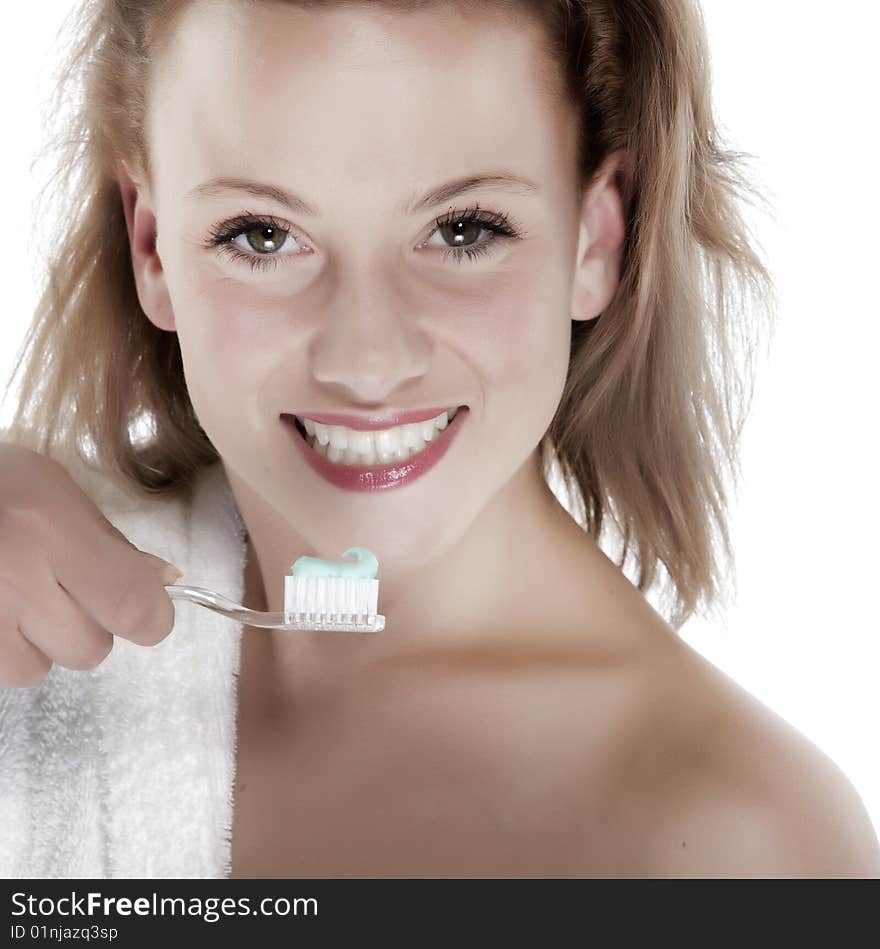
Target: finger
x,y
117,586
21,663
56,625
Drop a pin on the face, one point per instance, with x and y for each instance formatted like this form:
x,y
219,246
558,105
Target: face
x,y
371,300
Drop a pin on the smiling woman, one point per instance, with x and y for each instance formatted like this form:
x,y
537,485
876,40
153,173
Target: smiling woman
x,y
369,272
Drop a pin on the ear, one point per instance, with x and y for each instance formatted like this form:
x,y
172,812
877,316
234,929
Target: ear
x,y
602,233
140,221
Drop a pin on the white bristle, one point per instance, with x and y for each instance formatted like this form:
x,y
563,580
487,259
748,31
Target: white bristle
x,y
330,596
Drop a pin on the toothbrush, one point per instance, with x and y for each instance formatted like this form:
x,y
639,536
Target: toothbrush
x,y
318,595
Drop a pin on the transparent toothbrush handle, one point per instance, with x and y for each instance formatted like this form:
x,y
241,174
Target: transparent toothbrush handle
x,y
289,621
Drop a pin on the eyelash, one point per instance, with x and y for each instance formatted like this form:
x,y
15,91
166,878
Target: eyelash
x,y
498,224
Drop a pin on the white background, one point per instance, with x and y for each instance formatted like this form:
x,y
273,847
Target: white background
x,y
796,87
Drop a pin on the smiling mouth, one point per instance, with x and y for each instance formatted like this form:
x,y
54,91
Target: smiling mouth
x,y
377,448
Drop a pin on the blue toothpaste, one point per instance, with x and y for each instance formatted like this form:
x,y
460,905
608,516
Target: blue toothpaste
x,y
329,587
365,567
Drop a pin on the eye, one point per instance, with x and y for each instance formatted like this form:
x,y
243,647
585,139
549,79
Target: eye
x,y
464,228
264,236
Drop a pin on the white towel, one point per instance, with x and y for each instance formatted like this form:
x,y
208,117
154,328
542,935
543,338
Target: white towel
x,y
127,770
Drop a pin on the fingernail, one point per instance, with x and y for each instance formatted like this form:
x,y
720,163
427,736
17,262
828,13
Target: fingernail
x,y
170,574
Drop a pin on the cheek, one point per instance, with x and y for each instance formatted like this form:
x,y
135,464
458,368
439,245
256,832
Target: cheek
x,y
227,347
516,333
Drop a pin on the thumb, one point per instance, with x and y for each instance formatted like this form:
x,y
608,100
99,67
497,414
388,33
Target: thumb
x,y
169,573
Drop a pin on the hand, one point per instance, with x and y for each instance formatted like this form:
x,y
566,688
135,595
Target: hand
x,y
69,580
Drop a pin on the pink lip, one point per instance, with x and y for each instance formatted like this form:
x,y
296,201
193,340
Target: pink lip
x,y
372,422
377,477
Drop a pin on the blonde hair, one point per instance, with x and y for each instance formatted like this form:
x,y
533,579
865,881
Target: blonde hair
x,y
659,386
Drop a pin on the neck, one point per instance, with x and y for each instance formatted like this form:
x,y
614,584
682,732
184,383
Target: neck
x,y
522,567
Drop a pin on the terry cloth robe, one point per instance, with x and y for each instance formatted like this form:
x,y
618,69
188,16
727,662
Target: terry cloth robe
x,y
126,770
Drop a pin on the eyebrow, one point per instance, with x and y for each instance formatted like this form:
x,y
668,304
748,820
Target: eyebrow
x,y
501,180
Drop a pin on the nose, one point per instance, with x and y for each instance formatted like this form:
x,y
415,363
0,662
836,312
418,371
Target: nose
x,y
369,344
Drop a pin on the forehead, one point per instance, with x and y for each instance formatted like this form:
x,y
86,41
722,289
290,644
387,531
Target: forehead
x,y
353,91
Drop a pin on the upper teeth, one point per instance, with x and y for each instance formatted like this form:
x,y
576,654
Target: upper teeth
x,y
384,441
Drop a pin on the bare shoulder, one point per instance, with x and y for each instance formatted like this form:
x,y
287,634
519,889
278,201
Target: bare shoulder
x,y
730,789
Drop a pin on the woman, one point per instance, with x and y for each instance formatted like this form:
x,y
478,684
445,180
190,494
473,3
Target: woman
x,y
513,219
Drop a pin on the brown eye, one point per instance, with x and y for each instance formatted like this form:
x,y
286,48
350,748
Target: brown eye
x,y
265,239
265,236
461,233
